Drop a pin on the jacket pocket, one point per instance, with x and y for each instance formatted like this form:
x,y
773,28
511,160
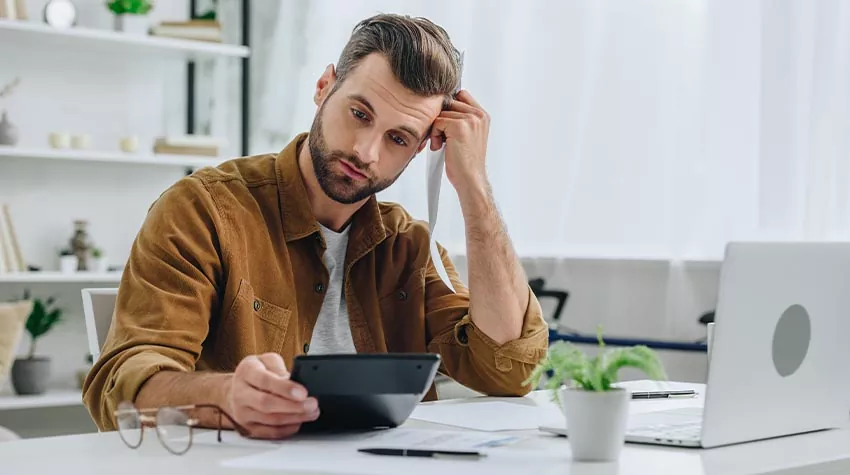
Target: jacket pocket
x,y
403,315
253,325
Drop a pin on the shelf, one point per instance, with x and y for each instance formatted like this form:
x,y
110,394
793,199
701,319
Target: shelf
x,y
54,398
58,277
16,32
109,157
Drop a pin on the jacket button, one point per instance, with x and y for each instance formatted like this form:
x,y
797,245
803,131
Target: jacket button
x,y
402,295
462,336
320,287
306,348
257,305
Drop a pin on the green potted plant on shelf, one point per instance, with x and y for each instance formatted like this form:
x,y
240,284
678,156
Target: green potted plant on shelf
x,y
131,16
31,375
596,410
68,261
101,263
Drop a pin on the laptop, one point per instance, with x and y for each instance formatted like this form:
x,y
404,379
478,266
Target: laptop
x,y
777,361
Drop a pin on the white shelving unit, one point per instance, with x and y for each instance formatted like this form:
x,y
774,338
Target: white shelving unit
x,y
60,278
54,398
30,34
109,157
38,39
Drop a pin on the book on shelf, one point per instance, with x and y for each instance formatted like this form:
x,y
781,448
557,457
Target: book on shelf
x,y
161,146
201,30
4,260
182,34
7,9
13,9
193,140
196,23
11,259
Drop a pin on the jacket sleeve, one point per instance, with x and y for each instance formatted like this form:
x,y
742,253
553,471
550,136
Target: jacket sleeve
x,y
167,293
469,356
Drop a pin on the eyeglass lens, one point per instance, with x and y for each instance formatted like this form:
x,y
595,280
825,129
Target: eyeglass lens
x,y
129,424
172,426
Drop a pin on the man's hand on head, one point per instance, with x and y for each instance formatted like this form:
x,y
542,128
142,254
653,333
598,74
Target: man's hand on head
x,y
464,127
264,401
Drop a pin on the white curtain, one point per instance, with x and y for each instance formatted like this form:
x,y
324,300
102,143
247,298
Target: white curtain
x,y
630,128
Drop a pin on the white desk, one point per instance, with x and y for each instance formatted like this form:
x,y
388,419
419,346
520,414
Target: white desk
x,y
825,452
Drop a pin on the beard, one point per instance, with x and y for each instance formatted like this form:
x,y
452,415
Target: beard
x,y
339,186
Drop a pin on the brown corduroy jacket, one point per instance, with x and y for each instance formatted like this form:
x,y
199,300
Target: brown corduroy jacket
x,y
228,264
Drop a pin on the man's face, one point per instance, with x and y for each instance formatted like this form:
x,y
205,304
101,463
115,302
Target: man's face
x,y
367,130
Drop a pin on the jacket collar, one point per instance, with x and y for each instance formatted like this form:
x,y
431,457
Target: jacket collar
x,y
367,226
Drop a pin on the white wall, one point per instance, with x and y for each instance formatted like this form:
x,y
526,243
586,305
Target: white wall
x,y
108,97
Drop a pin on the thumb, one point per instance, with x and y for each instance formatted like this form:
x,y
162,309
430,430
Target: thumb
x,y
274,363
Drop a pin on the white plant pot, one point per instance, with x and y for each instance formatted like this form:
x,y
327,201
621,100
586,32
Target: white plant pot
x,y
132,24
596,423
68,264
101,265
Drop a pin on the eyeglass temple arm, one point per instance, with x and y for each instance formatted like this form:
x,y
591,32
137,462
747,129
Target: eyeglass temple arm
x,y
221,412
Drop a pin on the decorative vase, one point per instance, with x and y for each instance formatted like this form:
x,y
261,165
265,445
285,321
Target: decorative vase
x,y
31,375
596,423
8,131
68,264
129,144
80,245
81,142
132,24
60,140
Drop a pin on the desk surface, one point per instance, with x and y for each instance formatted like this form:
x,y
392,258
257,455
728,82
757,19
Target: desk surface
x,y
821,452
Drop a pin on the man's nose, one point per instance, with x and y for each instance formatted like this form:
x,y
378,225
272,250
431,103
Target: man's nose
x,y
367,147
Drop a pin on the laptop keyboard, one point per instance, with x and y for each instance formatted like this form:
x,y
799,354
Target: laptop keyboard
x,y
682,424
684,431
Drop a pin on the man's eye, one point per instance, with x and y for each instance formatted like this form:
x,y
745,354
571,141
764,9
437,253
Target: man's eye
x,y
360,115
397,139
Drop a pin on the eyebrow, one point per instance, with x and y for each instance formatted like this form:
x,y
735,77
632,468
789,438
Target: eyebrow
x,y
405,128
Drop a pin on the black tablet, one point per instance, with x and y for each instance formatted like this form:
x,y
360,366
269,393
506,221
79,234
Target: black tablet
x,y
364,391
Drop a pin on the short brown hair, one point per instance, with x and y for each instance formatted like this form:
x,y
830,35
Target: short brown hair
x,y
419,52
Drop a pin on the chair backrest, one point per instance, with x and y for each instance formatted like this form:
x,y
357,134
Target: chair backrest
x,y
98,306
560,295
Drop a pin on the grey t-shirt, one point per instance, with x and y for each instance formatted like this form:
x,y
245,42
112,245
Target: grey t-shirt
x,y
332,333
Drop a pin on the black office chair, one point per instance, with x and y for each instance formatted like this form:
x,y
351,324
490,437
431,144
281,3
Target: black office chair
x,y
562,296
537,286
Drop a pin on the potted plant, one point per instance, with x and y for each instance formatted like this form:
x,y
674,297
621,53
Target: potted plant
x,y
8,131
31,375
596,411
131,16
68,261
101,263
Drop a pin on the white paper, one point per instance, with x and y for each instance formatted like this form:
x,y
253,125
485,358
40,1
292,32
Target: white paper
x,y
490,416
436,163
437,439
338,454
401,438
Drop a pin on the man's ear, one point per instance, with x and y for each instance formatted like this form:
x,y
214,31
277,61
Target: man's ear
x,y
324,85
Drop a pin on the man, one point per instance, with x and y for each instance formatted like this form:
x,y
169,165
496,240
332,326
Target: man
x,y
240,268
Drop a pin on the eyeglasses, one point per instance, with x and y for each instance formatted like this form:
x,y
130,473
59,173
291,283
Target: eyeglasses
x,y
174,425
